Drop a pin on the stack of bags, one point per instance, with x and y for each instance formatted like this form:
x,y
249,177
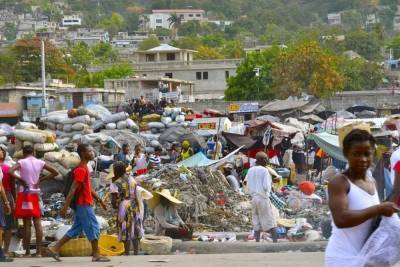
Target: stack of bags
x,y
171,117
28,134
3,137
63,161
120,121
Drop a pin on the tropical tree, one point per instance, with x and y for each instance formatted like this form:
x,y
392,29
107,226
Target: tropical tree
x,y
96,79
253,80
205,52
174,20
306,68
149,43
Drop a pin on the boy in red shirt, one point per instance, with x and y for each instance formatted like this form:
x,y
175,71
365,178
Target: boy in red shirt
x,y
85,219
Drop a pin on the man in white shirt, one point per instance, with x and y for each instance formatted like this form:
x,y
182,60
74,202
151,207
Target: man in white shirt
x,y
259,184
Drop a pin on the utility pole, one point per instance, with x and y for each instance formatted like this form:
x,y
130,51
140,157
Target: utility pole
x,y
44,104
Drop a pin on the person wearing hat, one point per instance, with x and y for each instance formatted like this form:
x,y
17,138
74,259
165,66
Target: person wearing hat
x,y
186,152
127,198
168,221
259,184
232,180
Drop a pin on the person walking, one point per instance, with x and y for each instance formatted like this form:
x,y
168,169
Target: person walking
x,y
8,183
259,184
5,209
354,201
127,198
81,194
30,169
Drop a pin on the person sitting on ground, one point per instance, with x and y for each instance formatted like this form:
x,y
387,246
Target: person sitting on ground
x,y
354,201
173,154
139,161
127,198
81,195
124,155
30,169
155,159
186,151
168,221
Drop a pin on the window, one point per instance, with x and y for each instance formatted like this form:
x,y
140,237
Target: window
x,y
171,56
198,75
198,15
181,16
169,75
144,75
150,58
191,15
159,21
227,74
205,75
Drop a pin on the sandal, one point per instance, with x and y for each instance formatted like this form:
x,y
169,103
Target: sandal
x,y
54,255
101,259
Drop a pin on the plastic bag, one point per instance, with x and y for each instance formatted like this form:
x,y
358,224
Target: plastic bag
x,y
382,247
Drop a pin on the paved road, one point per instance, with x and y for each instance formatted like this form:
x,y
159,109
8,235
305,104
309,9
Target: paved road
x,y
215,260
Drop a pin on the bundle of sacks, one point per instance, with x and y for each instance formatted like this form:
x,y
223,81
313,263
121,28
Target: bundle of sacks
x,y
71,125
171,117
3,136
63,161
27,134
120,121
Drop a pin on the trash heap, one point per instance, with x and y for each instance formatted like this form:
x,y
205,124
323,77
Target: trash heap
x,y
208,204
27,134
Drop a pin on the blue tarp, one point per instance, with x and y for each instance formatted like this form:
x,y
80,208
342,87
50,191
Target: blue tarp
x,y
330,144
198,160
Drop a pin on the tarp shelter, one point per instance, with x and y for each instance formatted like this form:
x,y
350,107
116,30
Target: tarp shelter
x,y
239,140
200,160
360,108
312,119
8,113
256,127
283,105
330,144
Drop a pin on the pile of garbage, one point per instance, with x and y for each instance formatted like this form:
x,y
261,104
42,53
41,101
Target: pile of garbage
x,y
63,161
27,133
208,204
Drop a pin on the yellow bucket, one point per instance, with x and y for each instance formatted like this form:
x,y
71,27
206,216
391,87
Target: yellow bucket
x,y
110,246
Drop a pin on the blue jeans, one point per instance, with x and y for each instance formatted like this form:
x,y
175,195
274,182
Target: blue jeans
x,y
85,220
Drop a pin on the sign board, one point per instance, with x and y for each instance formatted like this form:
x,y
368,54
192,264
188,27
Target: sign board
x,y
8,110
243,108
207,126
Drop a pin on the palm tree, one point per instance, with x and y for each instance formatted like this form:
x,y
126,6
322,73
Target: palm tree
x,y
174,20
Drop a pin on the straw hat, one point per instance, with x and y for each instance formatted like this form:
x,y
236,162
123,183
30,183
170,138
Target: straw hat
x,y
164,193
111,171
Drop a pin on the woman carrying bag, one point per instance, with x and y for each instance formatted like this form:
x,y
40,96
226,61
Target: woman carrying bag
x,y
28,198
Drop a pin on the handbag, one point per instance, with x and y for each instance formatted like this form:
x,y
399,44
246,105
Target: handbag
x,y
27,205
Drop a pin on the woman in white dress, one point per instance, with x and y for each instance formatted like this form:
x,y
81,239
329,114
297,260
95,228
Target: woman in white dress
x,y
354,202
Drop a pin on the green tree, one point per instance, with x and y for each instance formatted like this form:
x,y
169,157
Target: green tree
x,y
214,40
306,68
104,53
246,85
188,42
28,57
174,21
113,24
81,56
10,31
352,19
96,79
233,49
149,43
9,67
205,52
361,74
367,44
394,44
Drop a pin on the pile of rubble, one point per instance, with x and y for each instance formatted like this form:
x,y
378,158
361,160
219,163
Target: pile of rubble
x,y
208,203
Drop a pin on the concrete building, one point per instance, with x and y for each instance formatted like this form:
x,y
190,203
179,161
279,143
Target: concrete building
x,y
334,19
209,76
75,97
160,18
45,25
396,20
371,19
153,88
126,40
90,36
73,20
